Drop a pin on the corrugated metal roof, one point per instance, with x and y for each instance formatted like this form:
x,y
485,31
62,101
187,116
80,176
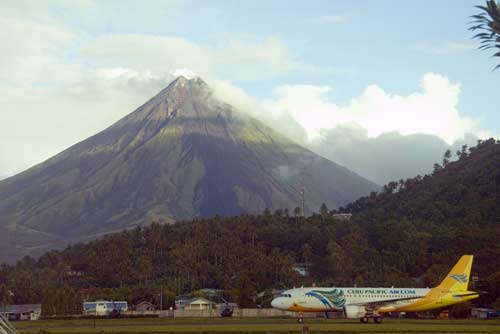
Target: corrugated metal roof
x,y
192,300
26,308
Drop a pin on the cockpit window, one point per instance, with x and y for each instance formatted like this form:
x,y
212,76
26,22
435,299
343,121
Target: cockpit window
x,y
286,295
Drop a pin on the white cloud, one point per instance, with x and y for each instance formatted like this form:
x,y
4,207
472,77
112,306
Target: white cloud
x,y
224,90
237,60
306,104
184,72
303,111
431,110
33,53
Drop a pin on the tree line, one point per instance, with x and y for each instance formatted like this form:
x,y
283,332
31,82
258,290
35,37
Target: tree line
x,y
409,234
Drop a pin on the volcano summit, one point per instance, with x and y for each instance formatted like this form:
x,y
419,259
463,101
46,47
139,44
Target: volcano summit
x,y
180,155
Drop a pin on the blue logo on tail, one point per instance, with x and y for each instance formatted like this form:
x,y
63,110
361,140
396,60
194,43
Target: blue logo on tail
x,y
460,278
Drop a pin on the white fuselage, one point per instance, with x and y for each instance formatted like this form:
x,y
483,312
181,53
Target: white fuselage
x,y
336,299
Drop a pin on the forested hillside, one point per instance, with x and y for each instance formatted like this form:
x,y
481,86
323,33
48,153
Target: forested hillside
x,y
408,235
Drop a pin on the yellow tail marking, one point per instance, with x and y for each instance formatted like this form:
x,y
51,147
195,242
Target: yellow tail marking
x,y
459,276
456,280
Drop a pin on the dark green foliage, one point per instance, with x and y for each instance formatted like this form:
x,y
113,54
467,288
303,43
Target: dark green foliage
x,y
323,210
410,234
488,23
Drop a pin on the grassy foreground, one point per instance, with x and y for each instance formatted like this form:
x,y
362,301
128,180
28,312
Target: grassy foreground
x,y
214,326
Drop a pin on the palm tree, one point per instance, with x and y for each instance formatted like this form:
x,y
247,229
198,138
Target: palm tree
x,y
488,23
297,211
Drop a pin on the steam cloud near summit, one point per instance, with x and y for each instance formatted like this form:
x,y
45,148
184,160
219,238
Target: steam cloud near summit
x,y
187,73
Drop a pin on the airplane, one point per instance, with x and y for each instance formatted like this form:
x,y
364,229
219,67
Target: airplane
x,y
366,303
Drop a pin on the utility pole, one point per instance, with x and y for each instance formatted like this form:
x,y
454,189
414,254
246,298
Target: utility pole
x,y
161,297
302,192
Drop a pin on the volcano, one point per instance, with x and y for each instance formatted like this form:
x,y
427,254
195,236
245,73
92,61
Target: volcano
x,y
183,154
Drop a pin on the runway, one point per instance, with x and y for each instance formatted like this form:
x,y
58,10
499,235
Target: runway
x,y
257,325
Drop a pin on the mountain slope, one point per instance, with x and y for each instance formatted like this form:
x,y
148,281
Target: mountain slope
x,y
180,155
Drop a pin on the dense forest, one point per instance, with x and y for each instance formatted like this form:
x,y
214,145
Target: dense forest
x,y
409,234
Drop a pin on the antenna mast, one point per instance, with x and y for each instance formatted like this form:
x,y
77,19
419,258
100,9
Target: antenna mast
x,y
302,192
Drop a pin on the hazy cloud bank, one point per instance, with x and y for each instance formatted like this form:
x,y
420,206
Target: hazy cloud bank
x,y
387,157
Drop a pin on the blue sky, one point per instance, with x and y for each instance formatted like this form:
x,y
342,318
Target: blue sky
x,y
81,65
356,43
388,43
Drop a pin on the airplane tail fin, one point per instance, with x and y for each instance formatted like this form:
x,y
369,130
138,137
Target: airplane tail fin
x,y
458,278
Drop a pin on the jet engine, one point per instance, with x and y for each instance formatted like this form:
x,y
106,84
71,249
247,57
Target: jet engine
x,y
354,312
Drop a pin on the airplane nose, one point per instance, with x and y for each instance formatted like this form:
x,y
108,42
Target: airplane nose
x,y
274,303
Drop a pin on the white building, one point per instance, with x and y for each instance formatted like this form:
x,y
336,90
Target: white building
x,y
197,303
104,307
22,312
342,216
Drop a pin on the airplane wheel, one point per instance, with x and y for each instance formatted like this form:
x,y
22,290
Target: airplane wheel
x,y
377,320
300,320
364,320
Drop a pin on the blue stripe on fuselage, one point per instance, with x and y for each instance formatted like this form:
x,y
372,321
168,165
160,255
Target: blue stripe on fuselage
x,y
321,298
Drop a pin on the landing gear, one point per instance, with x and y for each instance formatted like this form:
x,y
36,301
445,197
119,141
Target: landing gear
x,y
300,319
376,319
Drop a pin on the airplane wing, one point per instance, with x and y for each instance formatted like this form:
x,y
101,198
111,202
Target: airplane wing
x,y
381,303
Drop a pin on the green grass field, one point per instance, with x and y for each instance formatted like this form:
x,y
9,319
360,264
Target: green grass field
x,y
241,326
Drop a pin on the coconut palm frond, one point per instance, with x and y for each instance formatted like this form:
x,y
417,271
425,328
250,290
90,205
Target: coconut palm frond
x,y
488,23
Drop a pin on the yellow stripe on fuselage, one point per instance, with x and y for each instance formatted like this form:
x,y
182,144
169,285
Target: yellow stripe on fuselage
x,y
429,303
302,309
